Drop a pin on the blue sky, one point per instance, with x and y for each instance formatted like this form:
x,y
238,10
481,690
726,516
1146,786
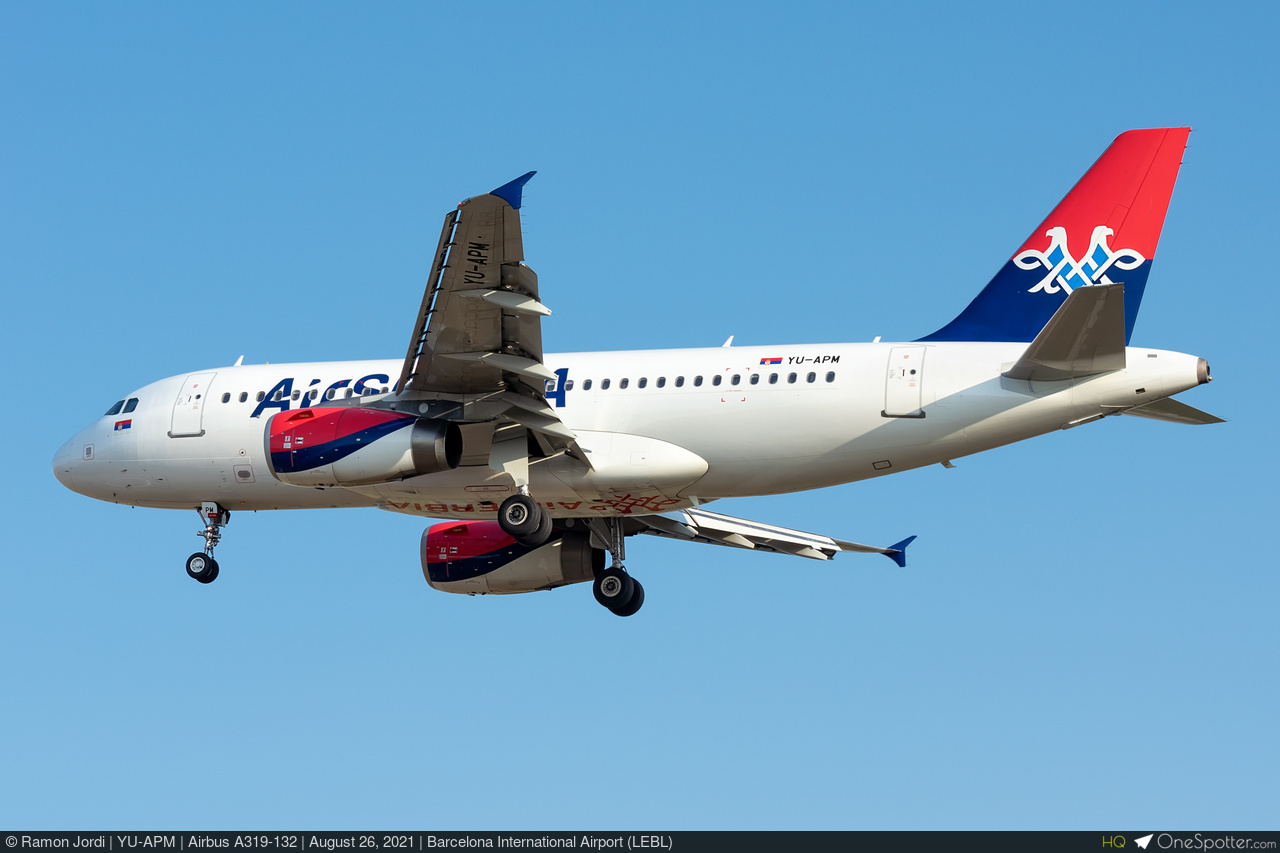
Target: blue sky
x,y
1086,636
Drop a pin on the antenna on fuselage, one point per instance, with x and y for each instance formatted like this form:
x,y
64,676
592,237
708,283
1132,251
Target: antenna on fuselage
x,y
728,343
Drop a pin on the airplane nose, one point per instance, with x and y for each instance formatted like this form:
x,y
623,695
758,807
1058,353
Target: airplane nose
x,y
63,463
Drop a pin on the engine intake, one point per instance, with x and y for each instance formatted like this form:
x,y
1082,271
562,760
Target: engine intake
x,y
358,447
478,558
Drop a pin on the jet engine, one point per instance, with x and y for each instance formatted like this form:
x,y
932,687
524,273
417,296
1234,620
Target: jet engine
x,y
357,447
477,558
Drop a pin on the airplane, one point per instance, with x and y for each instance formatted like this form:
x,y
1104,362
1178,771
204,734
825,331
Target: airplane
x,y
543,463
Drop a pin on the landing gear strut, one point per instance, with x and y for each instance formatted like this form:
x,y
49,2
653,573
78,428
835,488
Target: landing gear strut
x,y
201,564
613,587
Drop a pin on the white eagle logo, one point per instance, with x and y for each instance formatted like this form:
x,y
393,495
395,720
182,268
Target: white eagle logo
x,y
1065,272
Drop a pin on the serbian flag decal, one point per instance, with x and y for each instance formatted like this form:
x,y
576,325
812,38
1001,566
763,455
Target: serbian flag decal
x,y
121,426
771,361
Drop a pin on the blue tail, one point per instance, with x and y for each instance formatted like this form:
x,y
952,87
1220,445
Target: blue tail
x,y
1104,231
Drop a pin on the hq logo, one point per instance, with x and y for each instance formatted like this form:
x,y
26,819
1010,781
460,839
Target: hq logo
x,y
1065,272
281,396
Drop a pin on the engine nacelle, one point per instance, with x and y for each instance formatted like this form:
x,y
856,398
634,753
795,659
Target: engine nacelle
x,y
478,558
358,447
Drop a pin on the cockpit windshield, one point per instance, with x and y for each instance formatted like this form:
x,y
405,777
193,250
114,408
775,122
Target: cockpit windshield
x,y
126,405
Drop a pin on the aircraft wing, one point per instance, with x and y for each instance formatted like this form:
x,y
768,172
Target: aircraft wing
x,y
698,525
476,350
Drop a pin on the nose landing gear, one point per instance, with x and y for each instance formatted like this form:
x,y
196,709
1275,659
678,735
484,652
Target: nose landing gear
x,y
201,564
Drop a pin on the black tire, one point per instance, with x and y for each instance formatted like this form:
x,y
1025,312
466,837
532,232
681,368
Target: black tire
x,y
636,602
200,566
542,534
614,588
213,575
519,516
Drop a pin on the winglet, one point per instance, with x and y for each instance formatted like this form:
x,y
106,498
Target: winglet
x,y
898,551
511,192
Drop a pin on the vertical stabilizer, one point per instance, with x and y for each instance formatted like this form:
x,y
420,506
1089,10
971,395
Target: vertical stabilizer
x,y
1105,231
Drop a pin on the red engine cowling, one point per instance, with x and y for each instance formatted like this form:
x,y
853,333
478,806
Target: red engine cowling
x,y
477,557
357,447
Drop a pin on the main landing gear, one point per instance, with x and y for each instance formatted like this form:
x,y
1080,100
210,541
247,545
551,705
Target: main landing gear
x,y
201,564
521,518
613,587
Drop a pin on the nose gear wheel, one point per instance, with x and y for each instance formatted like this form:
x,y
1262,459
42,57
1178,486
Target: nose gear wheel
x,y
201,566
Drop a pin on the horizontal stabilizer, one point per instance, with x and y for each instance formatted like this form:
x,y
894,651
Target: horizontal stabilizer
x,y
1083,337
1173,411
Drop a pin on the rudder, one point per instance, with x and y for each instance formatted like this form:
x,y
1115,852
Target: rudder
x,y
1104,231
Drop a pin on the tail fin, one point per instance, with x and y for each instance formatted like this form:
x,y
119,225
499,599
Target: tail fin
x,y
1105,231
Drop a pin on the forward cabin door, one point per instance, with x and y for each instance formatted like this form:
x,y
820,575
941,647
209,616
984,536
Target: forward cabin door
x,y
904,381
188,409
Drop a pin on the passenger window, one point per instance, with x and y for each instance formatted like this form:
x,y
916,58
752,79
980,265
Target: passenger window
x,y
622,383
586,386
568,385
315,392
226,398
812,377
643,382
791,379
348,394
773,379
697,381
244,395
755,379
115,410
261,396
328,395
679,381
831,377
662,381
736,379
715,380
132,404
604,385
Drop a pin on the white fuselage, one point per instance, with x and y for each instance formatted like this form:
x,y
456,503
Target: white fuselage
x,y
663,434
